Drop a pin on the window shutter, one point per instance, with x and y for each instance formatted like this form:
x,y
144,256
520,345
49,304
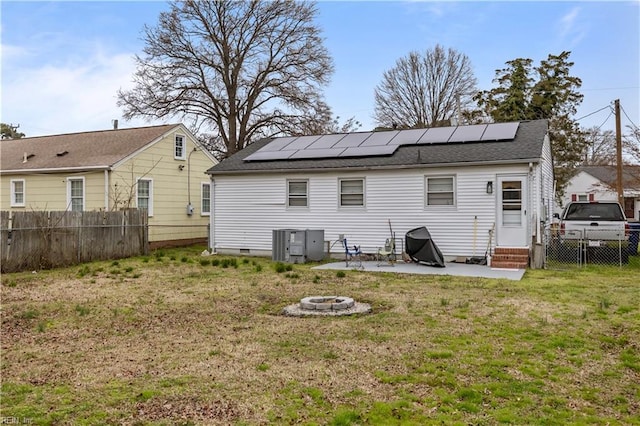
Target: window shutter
x,y
574,197
590,197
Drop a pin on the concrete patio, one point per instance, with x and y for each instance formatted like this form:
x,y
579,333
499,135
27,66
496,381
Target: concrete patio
x,y
451,268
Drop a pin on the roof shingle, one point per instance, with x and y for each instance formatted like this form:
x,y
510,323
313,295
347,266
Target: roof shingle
x,y
526,146
86,149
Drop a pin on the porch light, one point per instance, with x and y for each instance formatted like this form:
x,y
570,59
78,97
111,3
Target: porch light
x,y
490,187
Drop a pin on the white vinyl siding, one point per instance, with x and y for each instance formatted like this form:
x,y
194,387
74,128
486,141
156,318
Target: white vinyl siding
x,y
246,209
17,193
75,194
351,192
440,191
297,193
144,195
205,199
179,147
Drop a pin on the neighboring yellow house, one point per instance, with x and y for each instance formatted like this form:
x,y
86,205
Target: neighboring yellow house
x,y
158,168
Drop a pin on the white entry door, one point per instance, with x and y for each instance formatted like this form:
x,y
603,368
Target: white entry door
x,y
512,211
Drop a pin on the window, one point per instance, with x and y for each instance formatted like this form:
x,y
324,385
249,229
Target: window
x,y
145,195
75,194
179,152
582,197
297,195
440,191
205,205
351,192
512,203
17,193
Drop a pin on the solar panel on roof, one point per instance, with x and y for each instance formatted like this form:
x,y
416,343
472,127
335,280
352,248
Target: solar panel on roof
x,y
500,131
278,143
317,153
269,155
326,141
468,133
380,138
365,144
407,137
302,142
369,150
352,140
437,135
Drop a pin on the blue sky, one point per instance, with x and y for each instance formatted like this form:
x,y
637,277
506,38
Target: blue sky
x,y
62,62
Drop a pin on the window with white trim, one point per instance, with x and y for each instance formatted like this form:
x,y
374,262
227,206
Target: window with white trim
x,y
144,195
179,152
440,191
75,194
205,199
297,193
351,192
17,193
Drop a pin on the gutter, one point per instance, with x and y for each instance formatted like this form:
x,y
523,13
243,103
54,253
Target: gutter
x,y
369,168
57,170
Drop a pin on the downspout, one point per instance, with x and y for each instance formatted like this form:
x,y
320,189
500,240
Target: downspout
x,y
538,184
106,190
189,205
531,217
212,217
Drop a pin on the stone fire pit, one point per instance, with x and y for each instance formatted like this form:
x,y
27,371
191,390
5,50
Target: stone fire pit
x,y
326,305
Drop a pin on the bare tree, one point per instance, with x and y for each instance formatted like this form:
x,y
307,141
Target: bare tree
x,y
600,148
239,69
425,89
631,144
122,196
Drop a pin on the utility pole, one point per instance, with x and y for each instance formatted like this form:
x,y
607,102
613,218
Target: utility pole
x,y
619,154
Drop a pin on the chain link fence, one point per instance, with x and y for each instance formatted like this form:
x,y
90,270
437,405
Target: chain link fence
x,y
580,248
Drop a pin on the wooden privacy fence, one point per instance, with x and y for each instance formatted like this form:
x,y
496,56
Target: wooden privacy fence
x,y
48,239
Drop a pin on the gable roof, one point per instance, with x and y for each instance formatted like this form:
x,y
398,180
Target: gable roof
x,y
608,175
526,146
86,150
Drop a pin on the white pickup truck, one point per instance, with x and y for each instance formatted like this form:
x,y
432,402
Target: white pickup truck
x,y
594,221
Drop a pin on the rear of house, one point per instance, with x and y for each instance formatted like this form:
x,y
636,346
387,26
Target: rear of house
x,y
473,187
158,168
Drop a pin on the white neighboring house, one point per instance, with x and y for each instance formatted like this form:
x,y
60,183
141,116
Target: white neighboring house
x,y
598,183
460,182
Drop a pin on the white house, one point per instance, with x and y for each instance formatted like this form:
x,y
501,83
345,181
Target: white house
x,y
598,183
460,182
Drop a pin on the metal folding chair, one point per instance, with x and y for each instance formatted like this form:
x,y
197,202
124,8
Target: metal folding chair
x,y
387,255
352,255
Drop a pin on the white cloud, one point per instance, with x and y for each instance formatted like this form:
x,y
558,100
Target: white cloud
x,y
570,29
11,52
77,95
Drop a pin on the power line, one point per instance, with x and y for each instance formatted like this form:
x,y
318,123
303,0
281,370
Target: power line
x,y
605,120
630,120
595,112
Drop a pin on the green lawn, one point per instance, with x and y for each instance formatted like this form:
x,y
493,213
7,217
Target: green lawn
x,y
176,338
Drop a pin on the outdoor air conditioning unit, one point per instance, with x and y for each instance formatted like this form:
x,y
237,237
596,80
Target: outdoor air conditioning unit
x,y
297,245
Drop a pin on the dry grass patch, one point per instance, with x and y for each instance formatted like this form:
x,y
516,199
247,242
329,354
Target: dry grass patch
x,y
169,339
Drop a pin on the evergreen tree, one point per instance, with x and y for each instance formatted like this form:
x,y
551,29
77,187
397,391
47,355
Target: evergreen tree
x,y
547,91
